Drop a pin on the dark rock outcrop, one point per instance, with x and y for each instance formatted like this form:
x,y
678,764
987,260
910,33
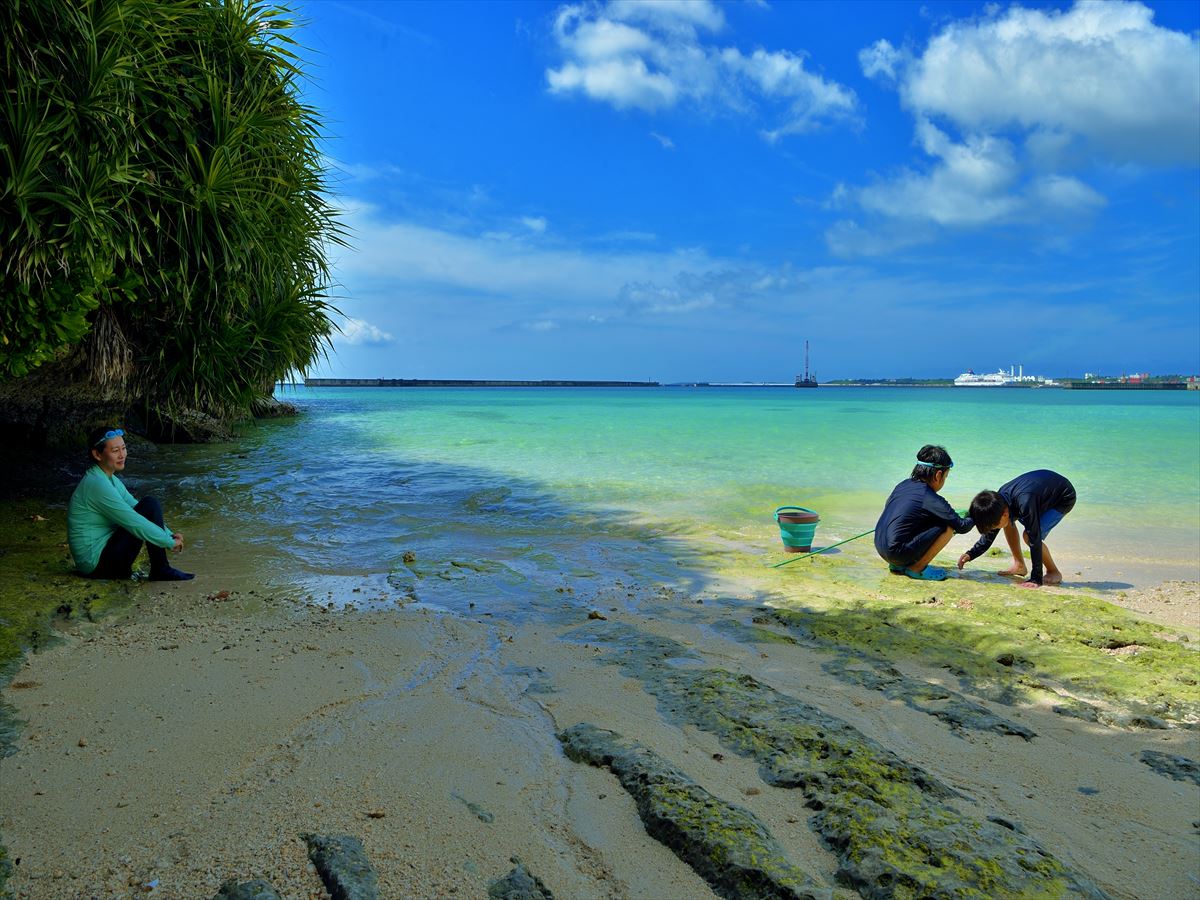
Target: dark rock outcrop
x,y
519,884
342,864
1173,766
246,890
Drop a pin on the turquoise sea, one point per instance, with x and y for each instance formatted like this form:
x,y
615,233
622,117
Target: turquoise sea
x,y
500,491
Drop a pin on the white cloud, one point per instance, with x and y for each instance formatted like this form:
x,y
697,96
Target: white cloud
x,y
487,264
1026,103
969,185
364,172
692,291
881,59
626,237
357,332
974,183
657,299
1062,192
1102,71
678,16
666,142
651,55
536,225
846,238
621,82
543,286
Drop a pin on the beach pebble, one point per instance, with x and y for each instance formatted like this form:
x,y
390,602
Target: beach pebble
x,y
247,890
1147,722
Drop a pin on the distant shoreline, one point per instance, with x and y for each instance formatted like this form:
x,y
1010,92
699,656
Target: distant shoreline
x,y
565,383
465,382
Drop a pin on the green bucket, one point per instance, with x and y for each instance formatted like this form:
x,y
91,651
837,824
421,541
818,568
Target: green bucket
x,y
797,526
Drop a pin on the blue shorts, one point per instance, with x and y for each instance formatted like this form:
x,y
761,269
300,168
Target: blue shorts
x,y
1050,518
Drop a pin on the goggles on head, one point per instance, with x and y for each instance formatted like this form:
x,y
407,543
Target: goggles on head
x,y
109,435
921,462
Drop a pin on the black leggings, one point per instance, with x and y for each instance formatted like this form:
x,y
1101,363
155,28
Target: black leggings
x,y
116,561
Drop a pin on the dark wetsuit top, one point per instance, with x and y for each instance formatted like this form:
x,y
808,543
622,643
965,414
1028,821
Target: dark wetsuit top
x,y
1029,497
912,519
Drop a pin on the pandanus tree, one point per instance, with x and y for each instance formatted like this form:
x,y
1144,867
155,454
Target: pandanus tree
x,y
164,214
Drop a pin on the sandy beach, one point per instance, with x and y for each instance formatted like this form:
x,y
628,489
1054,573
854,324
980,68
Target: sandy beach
x,y
196,736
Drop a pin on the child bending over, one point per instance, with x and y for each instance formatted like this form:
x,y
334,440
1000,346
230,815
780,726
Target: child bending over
x,y
1038,500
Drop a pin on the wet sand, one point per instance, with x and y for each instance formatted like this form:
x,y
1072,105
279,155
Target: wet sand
x,y
195,738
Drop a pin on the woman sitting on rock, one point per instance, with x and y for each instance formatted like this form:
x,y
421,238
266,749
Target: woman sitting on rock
x,y
106,527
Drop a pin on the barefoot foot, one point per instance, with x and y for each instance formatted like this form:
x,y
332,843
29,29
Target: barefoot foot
x,y
1052,578
1014,571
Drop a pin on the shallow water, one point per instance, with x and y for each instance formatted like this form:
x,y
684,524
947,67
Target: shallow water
x,y
500,492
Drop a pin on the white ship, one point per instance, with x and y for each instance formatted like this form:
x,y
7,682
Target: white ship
x,y
1013,377
995,379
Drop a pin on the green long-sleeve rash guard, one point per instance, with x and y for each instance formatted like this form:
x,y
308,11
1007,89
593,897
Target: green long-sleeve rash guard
x,y
99,506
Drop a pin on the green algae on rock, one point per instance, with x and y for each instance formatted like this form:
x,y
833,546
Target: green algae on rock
x,y
38,582
888,820
726,845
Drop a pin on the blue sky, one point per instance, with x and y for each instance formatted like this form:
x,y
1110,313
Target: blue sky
x,y
690,190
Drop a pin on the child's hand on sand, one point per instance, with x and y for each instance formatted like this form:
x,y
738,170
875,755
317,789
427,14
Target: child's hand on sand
x,y
964,559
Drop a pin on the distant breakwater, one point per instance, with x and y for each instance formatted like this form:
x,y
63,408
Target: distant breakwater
x,y
464,382
1129,385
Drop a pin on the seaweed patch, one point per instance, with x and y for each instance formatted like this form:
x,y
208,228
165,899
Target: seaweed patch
x,y
726,844
887,820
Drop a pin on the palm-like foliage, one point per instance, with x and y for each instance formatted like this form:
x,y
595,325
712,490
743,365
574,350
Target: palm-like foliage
x,y
162,199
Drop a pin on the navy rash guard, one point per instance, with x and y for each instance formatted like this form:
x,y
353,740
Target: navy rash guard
x,y
1029,497
914,515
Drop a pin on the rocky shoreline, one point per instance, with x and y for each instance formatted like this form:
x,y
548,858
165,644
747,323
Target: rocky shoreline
x,y
188,746
847,735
